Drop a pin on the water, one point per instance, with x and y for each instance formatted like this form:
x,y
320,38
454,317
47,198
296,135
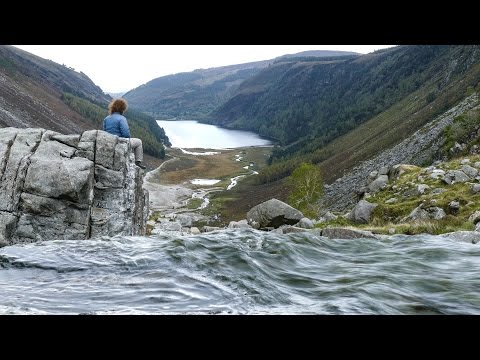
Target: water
x,y
241,271
191,134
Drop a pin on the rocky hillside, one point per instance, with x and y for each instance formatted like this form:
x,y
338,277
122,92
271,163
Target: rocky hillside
x,y
35,92
194,95
56,186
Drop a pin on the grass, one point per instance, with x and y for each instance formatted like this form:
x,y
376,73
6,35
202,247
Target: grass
x,y
387,216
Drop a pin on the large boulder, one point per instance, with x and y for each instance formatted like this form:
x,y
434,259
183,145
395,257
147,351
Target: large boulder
x,y
56,186
362,212
273,213
378,184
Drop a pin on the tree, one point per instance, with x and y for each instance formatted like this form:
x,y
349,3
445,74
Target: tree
x,y
306,188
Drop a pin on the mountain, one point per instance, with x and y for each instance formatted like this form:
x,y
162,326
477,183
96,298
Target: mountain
x,y
191,95
35,92
311,105
194,95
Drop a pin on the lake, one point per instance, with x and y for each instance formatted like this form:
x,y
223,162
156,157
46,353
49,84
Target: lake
x,y
192,134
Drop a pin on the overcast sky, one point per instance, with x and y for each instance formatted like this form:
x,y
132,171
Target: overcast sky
x,y
119,68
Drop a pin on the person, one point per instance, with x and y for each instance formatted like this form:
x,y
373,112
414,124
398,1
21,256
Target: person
x,y
116,124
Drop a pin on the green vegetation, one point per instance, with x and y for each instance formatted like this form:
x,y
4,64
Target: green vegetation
x,y
307,187
463,126
339,112
141,126
194,203
389,215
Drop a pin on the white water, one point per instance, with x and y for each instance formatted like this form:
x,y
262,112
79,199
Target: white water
x,y
188,134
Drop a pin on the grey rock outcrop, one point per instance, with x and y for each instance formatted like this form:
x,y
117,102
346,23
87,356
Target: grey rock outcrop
x,y
273,213
56,186
362,212
416,149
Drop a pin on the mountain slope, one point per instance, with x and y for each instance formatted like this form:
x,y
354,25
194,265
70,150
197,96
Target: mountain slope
x,y
308,104
35,92
194,95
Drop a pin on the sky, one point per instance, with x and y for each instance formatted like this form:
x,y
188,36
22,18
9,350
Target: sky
x,y
119,68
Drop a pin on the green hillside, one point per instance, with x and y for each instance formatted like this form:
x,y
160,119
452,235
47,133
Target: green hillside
x,y
342,110
35,92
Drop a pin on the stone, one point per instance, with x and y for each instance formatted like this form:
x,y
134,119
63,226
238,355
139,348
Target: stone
x,y
378,184
471,237
421,188
273,213
437,191
185,220
362,212
475,188
392,200
455,176
475,217
437,174
210,228
420,213
392,231
344,233
305,223
383,170
242,224
465,161
453,207
289,229
477,164
194,230
329,216
50,192
471,172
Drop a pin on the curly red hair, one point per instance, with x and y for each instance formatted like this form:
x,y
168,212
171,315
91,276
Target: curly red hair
x,y
118,105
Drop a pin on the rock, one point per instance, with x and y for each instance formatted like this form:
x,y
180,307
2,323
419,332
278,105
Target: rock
x,y
391,200
362,212
383,170
453,207
397,170
477,227
288,229
437,174
194,230
305,223
476,188
344,233
53,187
151,223
372,176
392,231
210,228
465,161
471,172
455,176
378,184
471,237
422,188
477,164
419,213
273,213
184,220
475,217
242,224
329,216
457,148
437,191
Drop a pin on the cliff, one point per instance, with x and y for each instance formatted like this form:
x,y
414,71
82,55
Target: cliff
x,y
56,186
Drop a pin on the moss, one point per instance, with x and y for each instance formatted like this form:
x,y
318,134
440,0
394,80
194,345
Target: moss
x,y
194,203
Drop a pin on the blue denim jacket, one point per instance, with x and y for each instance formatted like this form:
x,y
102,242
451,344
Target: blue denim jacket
x,y
116,124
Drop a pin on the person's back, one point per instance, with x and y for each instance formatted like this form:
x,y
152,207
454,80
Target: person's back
x,y
116,124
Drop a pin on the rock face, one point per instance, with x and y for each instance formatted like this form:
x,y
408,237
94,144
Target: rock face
x,y
273,213
56,186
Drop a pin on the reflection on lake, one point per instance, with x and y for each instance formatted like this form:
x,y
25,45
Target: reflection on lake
x,y
191,134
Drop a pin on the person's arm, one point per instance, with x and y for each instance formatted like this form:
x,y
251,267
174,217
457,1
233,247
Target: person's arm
x,y
124,130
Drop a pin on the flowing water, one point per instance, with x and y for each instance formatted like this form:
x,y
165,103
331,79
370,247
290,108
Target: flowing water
x,y
241,271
